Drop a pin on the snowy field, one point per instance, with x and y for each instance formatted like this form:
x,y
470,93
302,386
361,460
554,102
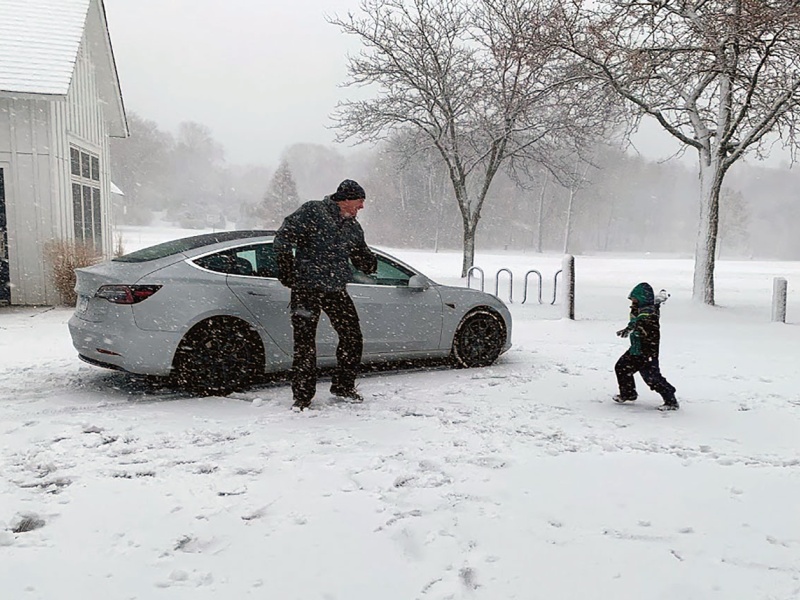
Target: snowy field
x,y
521,480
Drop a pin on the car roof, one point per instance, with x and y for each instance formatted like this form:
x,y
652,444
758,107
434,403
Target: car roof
x,y
187,244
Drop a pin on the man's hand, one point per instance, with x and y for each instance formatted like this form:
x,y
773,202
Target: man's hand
x,y
623,333
287,279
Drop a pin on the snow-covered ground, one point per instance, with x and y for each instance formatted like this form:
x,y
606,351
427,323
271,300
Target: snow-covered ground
x,y
517,481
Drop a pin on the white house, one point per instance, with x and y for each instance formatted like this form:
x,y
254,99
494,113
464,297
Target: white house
x,y
60,101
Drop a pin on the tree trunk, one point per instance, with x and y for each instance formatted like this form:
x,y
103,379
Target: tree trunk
x,y
469,249
541,213
569,220
711,175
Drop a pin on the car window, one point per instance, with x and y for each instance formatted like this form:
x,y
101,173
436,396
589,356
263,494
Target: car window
x,y
388,273
226,262
257,260
265,262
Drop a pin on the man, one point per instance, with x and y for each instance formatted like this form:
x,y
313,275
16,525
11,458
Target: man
x,y
314,246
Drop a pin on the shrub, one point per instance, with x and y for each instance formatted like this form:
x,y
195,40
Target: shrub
x,y
64,257
119,246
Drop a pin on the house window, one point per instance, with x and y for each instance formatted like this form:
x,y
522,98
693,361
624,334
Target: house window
x,y
86,205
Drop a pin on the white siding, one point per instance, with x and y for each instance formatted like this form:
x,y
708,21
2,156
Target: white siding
x,y
35,138
25,148
87,128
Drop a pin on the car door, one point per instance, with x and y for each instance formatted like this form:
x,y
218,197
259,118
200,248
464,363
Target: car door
x,y
253,278
395,318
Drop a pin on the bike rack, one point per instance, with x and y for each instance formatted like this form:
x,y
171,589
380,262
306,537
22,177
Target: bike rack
x,y
525,290
510,284
555,286
469,276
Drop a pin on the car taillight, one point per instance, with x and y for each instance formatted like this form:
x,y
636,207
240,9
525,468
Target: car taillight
x,y
126,294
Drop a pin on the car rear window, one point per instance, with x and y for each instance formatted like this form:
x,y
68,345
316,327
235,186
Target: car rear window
x,y
185,244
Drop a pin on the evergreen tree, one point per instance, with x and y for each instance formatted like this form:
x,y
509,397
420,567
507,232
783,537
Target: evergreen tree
x,y
281,197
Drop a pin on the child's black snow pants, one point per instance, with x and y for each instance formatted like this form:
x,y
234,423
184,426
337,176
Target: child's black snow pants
x,y
647,366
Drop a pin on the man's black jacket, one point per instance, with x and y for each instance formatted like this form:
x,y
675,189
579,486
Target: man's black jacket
x,y
323,241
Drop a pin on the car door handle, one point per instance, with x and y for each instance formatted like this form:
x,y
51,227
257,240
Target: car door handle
x,y
262,295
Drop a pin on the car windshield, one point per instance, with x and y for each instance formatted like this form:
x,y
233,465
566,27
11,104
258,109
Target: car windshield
x,y
189,243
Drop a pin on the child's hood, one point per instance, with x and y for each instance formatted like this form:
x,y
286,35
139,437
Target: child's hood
x,y
643,294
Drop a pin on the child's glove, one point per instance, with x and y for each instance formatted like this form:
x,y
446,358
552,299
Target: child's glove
x,y
661,297
623,333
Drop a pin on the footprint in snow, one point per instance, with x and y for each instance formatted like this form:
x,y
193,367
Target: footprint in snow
x,y
469,578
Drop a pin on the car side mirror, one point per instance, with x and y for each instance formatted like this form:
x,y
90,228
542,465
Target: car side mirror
x,y
418,283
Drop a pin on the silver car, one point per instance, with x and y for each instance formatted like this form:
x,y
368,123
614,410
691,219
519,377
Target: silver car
x,y
209,311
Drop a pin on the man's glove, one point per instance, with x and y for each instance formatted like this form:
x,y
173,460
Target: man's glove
x,y
623,333
287,279
286,268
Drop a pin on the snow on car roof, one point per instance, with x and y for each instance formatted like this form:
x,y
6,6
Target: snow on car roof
x,y
190,243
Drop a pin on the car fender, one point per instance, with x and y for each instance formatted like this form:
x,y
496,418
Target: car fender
x,y
459,302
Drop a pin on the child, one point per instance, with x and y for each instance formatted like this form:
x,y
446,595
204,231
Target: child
x,y
642,357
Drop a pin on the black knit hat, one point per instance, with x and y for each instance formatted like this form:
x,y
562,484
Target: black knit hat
x,y
349,190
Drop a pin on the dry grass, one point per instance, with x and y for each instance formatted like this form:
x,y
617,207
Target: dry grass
x,y
64,257
119,246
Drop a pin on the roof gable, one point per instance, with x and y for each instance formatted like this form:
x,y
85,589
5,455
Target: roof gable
x,y
39,42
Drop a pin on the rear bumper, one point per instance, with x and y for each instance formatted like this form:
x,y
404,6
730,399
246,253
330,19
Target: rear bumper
x,y
133,350
98,363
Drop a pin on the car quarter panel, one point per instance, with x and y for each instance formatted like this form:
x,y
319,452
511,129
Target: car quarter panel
x,y
187,295
191,295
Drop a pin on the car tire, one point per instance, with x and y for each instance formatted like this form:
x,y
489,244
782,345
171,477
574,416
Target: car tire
x,y
479,339
219,356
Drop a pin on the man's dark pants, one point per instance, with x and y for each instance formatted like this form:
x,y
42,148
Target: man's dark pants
x,y
305,308
647,366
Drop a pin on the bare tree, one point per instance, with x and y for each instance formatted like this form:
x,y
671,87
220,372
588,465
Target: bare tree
x,y
577,182
141,165
540,211
720,76
479,80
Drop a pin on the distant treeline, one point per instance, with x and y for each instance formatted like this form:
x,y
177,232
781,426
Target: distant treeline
x,y
625,203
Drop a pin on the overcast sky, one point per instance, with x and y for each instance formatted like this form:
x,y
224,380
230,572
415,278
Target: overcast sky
x,y
262,74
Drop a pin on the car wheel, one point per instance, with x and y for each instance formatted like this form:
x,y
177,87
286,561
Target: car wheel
x,y
479,339
219,356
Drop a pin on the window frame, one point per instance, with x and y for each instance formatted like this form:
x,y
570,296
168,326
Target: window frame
x,y
87,196
251,252
360,278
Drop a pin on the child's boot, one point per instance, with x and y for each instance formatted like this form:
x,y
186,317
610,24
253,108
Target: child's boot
x,y
670,403
620,399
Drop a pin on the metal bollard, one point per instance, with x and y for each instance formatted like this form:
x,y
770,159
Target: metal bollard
x,y
568,267
779,294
